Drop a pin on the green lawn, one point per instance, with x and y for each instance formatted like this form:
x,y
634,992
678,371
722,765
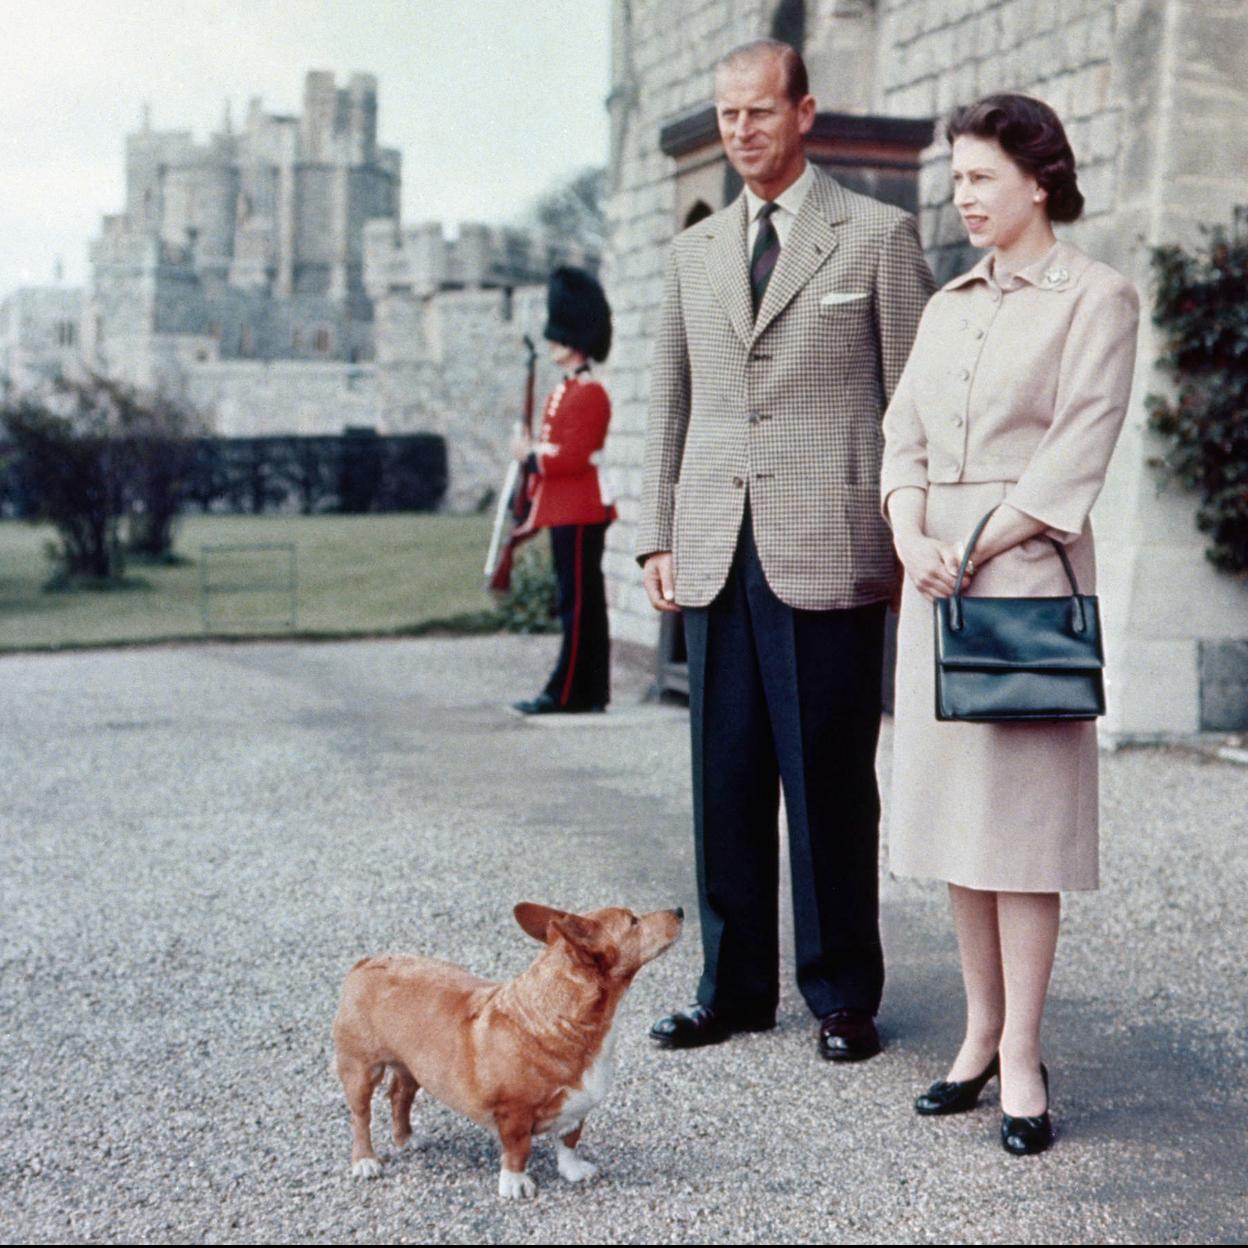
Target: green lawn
x,y
355,574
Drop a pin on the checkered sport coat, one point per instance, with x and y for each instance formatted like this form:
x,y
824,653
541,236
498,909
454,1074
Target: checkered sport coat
x,y
785,410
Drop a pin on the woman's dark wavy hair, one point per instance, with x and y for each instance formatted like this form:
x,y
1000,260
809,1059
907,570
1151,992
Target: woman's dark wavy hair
x,y
1031,135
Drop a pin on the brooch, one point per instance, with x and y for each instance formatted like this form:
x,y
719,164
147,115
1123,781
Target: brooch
x,y
1055,279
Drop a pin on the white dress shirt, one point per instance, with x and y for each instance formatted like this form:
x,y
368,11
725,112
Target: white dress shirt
x,y
789,203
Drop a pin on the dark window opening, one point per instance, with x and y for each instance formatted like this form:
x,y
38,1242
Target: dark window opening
x,y
788,23
699,212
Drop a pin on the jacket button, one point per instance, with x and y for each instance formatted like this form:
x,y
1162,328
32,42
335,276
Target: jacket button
x,y
979,333
957,420
754,418
738,482
965,374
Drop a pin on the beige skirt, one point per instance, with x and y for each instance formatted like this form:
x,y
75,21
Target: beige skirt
x,y
1010,807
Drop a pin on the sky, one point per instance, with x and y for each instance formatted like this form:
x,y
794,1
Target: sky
x,y
490,101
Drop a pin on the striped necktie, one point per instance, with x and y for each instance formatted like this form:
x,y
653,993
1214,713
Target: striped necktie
x,y
766,253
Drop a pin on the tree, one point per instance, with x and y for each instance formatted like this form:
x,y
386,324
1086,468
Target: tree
x,y
71,463
159,434
573,211
93,452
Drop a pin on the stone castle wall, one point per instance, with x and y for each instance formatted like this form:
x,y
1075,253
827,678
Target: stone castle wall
x,y
454,364
264,276
40,336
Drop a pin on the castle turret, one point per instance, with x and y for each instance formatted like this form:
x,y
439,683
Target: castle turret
x,y
362,122
320,107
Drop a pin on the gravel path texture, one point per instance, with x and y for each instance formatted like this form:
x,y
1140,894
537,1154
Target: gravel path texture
x,y
199,841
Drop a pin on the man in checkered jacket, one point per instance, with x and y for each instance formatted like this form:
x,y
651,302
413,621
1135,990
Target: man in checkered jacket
x,y
787,318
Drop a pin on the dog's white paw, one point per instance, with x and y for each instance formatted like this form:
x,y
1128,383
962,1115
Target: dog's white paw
x,y
515,1186
366,1168
573,1168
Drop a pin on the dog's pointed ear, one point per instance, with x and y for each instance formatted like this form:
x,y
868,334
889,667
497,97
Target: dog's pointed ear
x,y
583,933
585,938
535,920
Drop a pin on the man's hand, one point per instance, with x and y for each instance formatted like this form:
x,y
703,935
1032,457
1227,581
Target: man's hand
x,y
659,577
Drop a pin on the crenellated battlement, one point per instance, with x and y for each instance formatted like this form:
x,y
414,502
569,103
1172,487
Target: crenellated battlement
x,y
421,260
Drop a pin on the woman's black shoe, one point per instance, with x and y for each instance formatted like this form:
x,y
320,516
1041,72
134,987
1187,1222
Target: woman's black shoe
x,y
946,1097
1022,1136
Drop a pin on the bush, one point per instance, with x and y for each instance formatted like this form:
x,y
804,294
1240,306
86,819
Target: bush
x,y
75,467
88,454
529,605
1202,309
352,473
159,436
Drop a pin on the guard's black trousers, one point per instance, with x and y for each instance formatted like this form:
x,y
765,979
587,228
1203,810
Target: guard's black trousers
x,y
582,677
779,695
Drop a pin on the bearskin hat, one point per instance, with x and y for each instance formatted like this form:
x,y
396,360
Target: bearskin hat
x,y
577,312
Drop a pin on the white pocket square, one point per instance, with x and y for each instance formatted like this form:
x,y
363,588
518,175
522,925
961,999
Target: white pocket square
x,y
849,296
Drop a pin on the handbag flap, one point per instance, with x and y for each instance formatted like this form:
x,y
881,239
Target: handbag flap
x,y
1040,634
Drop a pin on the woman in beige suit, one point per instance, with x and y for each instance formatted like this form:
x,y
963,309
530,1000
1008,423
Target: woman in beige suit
x,y
1013,398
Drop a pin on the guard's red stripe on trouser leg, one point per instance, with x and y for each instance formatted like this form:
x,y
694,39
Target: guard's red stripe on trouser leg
x,y
576,616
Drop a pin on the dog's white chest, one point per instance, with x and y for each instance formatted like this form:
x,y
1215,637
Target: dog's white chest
x,y
595,1084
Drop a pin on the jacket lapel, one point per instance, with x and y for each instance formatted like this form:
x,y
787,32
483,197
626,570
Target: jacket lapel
x,y
811,241
727,271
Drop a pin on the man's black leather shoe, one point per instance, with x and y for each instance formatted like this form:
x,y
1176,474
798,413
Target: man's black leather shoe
x,y
699,1025
848,1036
544,704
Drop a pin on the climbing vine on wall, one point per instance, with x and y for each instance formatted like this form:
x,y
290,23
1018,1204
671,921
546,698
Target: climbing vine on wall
x,y
1201,309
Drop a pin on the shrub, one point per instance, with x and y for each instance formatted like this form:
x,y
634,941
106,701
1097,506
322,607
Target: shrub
x,y
74,463
159,436
91,452
1202,309
529,605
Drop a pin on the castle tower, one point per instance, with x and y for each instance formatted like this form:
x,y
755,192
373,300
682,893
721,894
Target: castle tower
x,y
362,118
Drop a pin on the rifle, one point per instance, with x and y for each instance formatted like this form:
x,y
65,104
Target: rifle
x,y
515,500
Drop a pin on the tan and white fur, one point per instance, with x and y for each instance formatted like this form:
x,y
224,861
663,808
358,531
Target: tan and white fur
x,y
525,1058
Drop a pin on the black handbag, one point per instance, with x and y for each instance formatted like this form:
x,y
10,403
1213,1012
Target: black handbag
x,y
1018,659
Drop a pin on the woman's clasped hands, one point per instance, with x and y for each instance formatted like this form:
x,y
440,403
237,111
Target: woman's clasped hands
x,y
932,565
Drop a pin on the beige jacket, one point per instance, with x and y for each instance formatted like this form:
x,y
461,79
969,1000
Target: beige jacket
x,y
1028,384
784,409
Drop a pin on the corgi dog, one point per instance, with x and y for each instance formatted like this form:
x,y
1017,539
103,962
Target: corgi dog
x,y
525,1058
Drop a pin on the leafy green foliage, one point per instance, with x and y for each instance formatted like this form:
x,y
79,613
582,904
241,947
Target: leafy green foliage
x,y
1202,309
529,606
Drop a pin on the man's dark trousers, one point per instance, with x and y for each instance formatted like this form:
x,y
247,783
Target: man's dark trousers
x,y
777,695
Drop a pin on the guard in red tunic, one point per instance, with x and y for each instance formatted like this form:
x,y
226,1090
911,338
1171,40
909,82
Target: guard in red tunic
x,y
569,499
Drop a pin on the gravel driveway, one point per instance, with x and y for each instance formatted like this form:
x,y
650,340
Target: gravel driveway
x,y
199,841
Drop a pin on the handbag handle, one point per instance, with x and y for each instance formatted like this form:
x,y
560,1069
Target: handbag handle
x,y
955,604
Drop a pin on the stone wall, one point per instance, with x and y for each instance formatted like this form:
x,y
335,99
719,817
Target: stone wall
x,y
40,336
935,56
255,398
453,363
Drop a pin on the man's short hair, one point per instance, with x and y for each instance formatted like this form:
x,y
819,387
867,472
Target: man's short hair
x,y
796,80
